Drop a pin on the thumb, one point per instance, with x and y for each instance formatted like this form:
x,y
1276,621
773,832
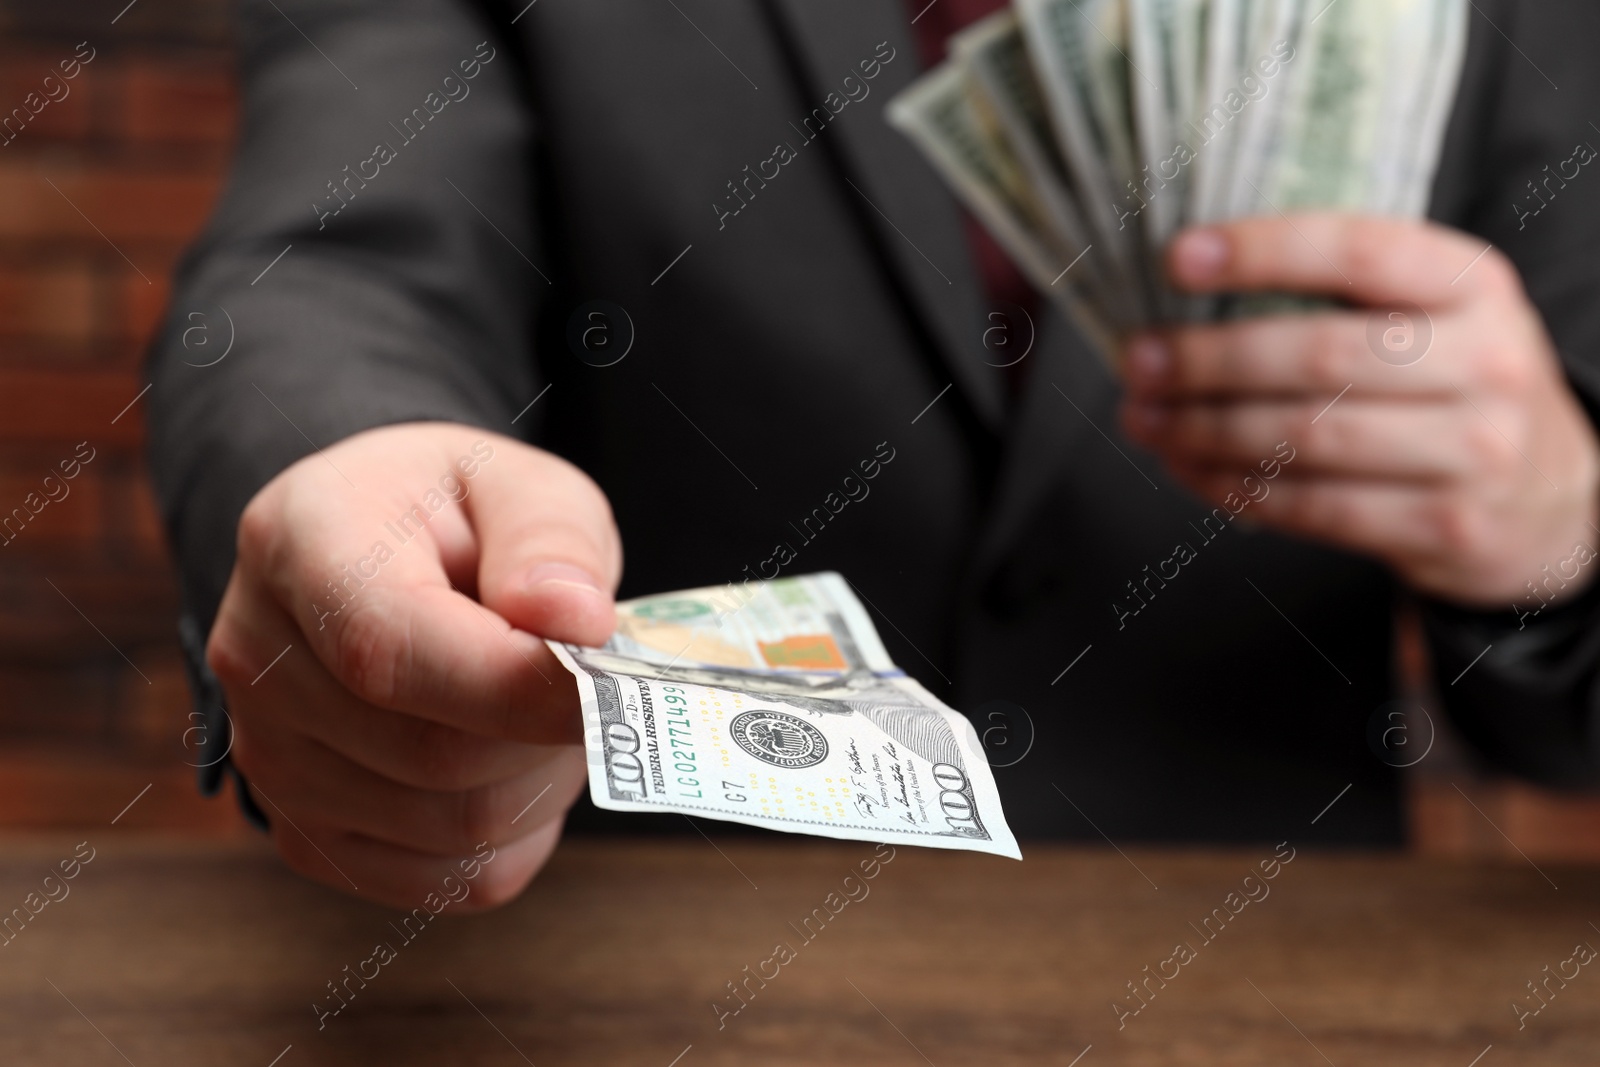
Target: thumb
x,y
549,557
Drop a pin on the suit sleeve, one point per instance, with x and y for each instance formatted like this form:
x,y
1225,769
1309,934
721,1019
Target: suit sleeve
x,y
1523,685
371,260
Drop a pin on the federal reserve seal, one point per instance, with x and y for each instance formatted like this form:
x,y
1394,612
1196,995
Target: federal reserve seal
x,y
778,738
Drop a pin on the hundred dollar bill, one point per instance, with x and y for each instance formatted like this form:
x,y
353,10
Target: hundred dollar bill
x,y
1164,38
1072,126
775,704
1260,141
995,56
1079,48
1230,33
1363,64
1332,142
1414,135
940,113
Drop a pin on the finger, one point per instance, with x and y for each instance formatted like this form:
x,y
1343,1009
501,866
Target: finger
x,y
266,669
439,655
425,651
1296,355
1361,258
549,554
303,780
1393,521
473,881
365,579
1418,442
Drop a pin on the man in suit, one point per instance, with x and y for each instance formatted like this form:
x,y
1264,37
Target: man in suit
x,y
487,333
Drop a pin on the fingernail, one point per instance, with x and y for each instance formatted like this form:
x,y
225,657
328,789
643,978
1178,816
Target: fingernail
x,y
1149,359
1200,255
562,574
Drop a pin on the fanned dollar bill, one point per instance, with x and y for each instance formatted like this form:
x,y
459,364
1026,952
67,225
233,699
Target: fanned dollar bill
x,y
1230,37
944,114
775,704
1098,129
1165,38
994,58
1079,48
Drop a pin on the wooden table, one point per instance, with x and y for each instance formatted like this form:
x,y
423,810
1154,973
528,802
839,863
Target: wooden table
x,y
175,953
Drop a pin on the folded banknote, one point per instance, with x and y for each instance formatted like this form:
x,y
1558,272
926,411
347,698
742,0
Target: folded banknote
x,y
775,704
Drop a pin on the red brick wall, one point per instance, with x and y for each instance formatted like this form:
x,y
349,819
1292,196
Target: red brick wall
x,y
122,168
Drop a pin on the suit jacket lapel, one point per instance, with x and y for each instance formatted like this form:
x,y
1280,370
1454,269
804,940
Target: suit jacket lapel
x,y
912,216
1065,415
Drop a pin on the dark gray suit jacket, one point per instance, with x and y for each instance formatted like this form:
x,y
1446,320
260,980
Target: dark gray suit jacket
x,y
446,235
